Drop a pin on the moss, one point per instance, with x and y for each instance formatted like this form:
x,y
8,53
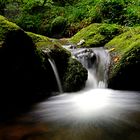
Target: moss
x,y
71,72
53,45
125,66
38,38
36,17
75,76
125,40
97,34
6,27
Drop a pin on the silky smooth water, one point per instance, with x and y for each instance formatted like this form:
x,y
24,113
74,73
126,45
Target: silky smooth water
x,y
96,61
54,68
94,113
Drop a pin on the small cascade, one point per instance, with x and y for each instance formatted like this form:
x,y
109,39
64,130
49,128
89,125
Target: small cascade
x,y
53,65
96,61
95,112
102,65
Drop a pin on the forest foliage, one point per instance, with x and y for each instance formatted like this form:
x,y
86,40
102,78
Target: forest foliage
x,y
69,16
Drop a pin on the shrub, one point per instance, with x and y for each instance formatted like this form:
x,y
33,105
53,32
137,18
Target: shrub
x,y
64,2
58,26
2,6
29,22
132,16
110,11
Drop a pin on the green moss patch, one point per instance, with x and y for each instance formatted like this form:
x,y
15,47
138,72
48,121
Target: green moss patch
x,y
6,26
72,74
125,66
56,51
125,41
20,66
38,38
97,34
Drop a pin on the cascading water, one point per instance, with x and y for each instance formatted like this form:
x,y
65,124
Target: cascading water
x,y
95,113
96,61
52,63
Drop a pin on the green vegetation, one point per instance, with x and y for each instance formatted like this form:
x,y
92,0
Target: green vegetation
x,y
68,17
7,26
54,48
125,53
125,41
97,34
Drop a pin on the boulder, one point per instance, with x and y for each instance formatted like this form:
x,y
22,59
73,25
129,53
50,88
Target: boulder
x,y
125,60
19,62
75,76
72,74
25,71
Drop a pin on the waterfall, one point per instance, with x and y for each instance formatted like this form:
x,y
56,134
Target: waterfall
x,y
96,61
52,63
95,112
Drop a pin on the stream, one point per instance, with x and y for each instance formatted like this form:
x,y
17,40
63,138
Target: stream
x,y
94,113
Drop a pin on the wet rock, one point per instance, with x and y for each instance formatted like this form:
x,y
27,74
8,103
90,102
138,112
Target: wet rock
x,y
125,60
75,76
87,56
72,74
20,68
81,42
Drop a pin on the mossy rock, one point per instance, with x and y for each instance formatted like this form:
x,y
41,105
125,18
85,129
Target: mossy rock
x,y
72,74
75,76
125,64
54,48
20,65
25,73
38,38
6,27
97,34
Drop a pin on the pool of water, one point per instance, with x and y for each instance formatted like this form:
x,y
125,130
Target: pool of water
x,y
97,114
